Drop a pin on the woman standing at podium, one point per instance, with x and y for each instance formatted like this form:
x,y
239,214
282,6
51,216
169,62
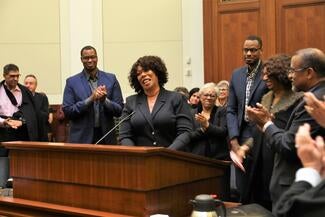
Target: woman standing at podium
x,y
154,116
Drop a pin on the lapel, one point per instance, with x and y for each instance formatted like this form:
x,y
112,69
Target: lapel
x,y
142,106
25,97
302,102
242,80
100,78
160,101
86,88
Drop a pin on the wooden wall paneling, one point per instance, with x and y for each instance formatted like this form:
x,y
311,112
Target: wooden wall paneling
x,y
300,24
235,22
208,6
230,23
268,28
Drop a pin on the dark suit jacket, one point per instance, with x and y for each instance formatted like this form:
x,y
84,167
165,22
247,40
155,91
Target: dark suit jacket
x,y
302,200
282,141
29,113
213,142
81,116
263,156
236,100
168,125
42,106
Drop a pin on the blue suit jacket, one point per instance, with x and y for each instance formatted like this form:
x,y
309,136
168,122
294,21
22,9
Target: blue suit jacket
x,y
81,115
236,99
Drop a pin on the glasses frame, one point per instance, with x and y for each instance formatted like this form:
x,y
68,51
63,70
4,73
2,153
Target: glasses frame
x,y
252,50
89,57
290,70
209,95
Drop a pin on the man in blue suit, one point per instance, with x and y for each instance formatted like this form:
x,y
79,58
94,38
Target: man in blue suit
x,y
91,100
246,88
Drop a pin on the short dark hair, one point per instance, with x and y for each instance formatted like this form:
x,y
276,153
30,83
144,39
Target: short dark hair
x,y
153,63
10,67
193,90
277,68
314,58
255,38
88,47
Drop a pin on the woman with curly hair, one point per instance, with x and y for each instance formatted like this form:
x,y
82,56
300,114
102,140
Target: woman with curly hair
x,y
158,117
267,180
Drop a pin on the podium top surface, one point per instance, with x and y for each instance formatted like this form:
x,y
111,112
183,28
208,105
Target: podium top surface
x,y
109,149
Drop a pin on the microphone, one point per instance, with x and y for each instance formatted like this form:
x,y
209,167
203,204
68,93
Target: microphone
x,y
116,125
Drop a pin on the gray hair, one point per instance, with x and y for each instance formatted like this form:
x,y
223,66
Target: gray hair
x,y
210,85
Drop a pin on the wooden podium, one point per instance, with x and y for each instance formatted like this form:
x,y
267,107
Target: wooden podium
x,y
135,181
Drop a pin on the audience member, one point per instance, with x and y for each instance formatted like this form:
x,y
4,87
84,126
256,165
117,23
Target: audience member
x,y
182,90
246,88
222,99
194,97
91,100
209,138
280,102
18,115
306,196
41,104
307,73
158,117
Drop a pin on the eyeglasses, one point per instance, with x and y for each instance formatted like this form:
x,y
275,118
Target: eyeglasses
x,y
88,57
14,76
290,70
252,50
209,95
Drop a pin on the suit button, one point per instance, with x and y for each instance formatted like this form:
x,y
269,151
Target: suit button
x,y
154,143
153,133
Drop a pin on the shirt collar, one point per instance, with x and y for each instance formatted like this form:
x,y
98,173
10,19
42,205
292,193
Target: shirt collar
x,y
90,78
16,89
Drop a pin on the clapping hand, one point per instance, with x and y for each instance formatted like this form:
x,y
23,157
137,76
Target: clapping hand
x,y
202,120
99,94
311,152
259,114
315,107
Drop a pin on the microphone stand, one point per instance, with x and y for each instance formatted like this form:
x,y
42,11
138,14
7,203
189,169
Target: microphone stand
x,y
118,124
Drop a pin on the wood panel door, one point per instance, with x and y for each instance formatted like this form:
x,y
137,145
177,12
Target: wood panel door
x,y
284,26
300,24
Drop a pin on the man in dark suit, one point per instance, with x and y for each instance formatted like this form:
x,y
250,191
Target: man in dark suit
x,y
307,74
42,106
306,196
91,100
18,116
246,88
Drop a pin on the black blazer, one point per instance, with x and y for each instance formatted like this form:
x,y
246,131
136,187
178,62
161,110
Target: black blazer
x,y
302,200
213,142
282,141
169,124
42,107
263,156
29,113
